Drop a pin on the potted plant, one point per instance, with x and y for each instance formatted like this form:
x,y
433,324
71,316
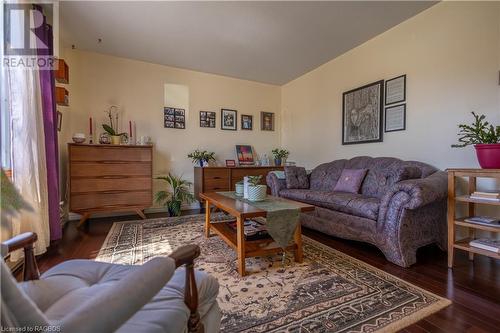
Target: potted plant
x,y
280,155
179,194
256,191
201,157
112,129
485,138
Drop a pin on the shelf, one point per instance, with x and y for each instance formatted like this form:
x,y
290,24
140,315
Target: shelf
x,y
463,244
462,223
62,73
467,198
62,96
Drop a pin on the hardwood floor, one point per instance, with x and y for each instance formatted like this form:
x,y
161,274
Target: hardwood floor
x,y
472,286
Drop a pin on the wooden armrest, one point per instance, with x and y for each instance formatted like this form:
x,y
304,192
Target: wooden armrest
x,y
21,241
185,255
25,241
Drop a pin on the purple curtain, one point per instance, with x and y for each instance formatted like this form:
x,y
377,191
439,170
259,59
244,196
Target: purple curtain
x,y
47,85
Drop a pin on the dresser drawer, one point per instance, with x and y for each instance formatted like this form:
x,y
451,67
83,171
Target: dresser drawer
x,y
111,200
216,174
110,153
89,169
110,183
214,185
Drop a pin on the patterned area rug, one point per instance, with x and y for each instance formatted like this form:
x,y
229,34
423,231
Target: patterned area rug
x,y
328,292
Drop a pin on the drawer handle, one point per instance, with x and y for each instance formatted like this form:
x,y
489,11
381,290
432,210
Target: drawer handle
x,y
112,177
216,177
113,192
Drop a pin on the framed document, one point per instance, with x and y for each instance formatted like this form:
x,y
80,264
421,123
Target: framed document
x,y
395,90
395,118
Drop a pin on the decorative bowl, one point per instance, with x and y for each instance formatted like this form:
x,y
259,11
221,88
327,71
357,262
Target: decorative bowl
x,y
78,139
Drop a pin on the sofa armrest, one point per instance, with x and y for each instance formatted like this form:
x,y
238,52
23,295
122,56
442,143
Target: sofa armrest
x,y
414,193
275,183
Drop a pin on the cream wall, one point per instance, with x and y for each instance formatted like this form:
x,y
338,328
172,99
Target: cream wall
x,y
451,55
98,81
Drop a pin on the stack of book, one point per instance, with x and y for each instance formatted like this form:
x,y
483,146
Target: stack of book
x,y
490,196
254,229
484,220
487,244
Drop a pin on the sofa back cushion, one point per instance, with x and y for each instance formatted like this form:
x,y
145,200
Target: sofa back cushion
x,y
296,177
383,172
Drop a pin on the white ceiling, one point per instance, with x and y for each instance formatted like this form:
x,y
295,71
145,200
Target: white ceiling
x,y
272,42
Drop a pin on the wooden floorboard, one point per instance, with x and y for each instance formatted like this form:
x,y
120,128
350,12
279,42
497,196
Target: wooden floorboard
x,y
472,286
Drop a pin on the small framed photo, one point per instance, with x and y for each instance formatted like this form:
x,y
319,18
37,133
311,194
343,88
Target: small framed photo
x,y
229,120
174,118
395,118
267,121
59,121
245,154
230,163
395,90
246,122
207,119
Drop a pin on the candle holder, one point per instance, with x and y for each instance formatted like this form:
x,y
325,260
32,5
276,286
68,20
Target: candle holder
x,y
91,139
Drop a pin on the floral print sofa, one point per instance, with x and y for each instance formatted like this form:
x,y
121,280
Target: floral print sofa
x,y
401,205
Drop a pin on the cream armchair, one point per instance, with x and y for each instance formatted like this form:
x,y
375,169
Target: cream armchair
x,y
90,296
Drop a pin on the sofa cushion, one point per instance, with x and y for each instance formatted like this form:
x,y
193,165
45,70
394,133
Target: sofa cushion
x,y
71,283
296,177
350,180
349,203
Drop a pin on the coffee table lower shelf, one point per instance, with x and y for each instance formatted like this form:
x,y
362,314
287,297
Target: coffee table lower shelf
x,y
253,248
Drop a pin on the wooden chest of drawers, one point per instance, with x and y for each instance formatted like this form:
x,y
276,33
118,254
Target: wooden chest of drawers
x,y
104,178
216,179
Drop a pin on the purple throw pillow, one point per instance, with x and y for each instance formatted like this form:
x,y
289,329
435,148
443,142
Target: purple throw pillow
x,y
350,180
296,177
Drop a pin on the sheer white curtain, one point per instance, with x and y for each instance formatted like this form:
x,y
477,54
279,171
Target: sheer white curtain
x,y
22,100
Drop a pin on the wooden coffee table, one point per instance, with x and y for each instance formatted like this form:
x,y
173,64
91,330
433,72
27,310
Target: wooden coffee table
x,y
242,210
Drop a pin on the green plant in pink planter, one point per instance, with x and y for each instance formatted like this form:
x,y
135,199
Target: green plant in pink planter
x,y
485,138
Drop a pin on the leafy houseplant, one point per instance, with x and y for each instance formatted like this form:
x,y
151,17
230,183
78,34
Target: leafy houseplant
x,y
484,137
256,191
112,129
11,201
199,157
179,193
280,155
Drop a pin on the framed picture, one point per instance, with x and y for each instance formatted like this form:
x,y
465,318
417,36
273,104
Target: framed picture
x,y
174,118
395,90
59,121
267,121
229,120
245,155
362,110
207,119
395,118
230,163
246,122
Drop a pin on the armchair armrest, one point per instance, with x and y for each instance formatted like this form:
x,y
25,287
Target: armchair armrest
x,y
185,255
25,241
276,184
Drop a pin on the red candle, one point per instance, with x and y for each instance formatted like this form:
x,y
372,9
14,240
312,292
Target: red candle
x,y
130,127
90,120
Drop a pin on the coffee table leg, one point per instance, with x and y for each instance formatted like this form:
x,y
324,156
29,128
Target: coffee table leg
x,y
240,234
207,218
299,255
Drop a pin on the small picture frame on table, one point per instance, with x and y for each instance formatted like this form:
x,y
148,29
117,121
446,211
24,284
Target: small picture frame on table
x,y
230,163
